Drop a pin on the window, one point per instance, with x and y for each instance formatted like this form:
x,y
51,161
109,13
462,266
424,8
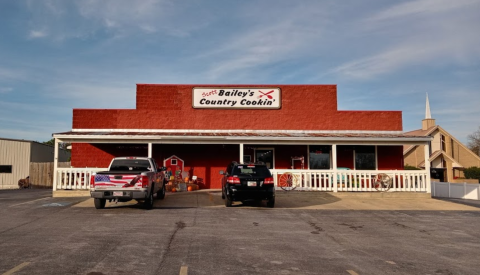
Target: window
x,y
365,158
6,169
443,148
453,147
173,161
319,156
264,156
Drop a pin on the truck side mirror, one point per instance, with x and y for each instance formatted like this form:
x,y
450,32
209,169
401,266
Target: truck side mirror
x,y
163,168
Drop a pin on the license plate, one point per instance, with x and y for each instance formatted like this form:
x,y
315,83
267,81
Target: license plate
x,y
118,193
251,183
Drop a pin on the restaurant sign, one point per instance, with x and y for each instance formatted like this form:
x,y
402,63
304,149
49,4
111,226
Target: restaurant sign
x,y
236,98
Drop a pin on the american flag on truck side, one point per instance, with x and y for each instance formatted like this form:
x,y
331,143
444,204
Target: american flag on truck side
x,y
110,180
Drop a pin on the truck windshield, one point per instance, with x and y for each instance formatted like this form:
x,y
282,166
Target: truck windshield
x,y
130,165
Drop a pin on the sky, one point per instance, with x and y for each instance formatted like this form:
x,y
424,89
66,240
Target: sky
x,y
57,55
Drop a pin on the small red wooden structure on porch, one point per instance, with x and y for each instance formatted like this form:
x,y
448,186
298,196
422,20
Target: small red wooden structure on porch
x,y
175,164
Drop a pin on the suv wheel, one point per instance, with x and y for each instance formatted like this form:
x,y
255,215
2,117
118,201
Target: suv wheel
x,y
228,202
271,202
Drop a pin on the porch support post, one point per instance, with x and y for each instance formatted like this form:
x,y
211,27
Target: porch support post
x,y
149,149
334,160
55,165
427,168
241,152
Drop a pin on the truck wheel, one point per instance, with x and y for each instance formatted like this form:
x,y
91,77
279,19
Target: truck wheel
x,y
148,203
161,193
228,202
271,202
100,203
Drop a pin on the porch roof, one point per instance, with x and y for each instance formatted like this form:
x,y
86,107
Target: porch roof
x,y
239,136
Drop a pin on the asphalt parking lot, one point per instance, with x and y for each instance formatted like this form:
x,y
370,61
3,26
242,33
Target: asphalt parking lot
x,y
193,233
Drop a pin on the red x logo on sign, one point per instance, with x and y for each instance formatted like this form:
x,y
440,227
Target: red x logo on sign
x,y
266,94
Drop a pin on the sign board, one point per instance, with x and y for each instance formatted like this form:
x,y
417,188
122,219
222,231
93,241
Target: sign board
x,y
236,98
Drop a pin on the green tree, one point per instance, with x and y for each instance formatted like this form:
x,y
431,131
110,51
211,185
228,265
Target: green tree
x,y
474,142
472,173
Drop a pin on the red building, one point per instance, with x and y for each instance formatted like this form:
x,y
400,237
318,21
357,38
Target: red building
x,y
208,126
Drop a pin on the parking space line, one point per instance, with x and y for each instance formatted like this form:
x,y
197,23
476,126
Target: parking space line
x,y
184,270
17,268
29,202
351,272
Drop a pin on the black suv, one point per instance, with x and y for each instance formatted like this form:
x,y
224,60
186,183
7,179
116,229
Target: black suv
x,y
243,182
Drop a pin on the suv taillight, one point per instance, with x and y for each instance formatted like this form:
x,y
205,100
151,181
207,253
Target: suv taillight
x,y
268,180
92,181
233,180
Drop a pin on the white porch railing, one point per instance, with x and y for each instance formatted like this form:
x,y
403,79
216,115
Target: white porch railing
x,y
74,178
309,180
355,180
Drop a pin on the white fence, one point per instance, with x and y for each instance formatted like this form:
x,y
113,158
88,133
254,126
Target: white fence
x,y
74,178
309,180
469,191
356,180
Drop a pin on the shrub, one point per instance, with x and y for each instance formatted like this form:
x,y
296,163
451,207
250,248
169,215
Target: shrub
x,y
472,173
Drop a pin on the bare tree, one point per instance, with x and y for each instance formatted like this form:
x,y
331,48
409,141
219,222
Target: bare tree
x,y
62,145
474,142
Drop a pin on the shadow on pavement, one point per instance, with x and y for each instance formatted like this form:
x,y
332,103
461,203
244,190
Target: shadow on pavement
x,y
473,203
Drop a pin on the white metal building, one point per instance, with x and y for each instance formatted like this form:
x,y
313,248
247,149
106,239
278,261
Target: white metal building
x,y
16,156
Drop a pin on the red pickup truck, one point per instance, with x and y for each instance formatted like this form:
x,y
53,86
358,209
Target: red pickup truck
x,y
128,178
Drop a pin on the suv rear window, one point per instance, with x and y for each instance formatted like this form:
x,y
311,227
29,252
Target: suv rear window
x,y
252,170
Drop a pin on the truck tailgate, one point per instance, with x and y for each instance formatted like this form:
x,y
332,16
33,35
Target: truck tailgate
x,y
117,181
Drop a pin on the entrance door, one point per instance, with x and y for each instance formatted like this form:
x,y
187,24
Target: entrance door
x,y
438,173
265,156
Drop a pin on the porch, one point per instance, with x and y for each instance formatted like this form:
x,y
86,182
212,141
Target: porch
x,y
368,154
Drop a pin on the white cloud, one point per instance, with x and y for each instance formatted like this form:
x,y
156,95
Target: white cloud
x,y
11,73
84,19
92,94
37,34
5,90
122,14
267,41
424,33
422,7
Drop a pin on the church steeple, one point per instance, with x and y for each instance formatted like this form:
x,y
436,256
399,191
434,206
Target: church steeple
x,y
428,122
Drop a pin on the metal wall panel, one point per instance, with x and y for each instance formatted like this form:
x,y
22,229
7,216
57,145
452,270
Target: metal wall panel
x,y
46,153
17,154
